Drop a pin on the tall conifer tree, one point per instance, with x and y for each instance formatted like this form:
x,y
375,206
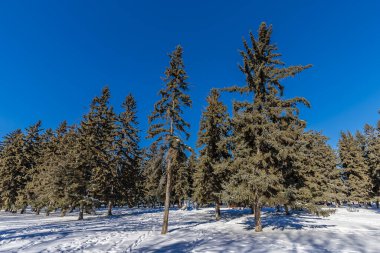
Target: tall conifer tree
x,y
355,169
128,152
32,152
263,130
210,173
12,170
167,125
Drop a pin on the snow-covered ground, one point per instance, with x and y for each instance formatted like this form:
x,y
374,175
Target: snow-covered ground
x,y
138,230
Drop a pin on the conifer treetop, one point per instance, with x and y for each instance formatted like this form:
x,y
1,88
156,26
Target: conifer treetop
x,y
166,120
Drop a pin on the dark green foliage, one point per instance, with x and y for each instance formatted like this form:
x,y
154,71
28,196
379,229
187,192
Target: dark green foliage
x,y
211,172
371,153
264,130
128,154
321,180
166,122
32,152
12,170
153,172
356,171
97,134
182,176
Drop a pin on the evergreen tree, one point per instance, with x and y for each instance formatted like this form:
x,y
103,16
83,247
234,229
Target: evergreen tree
x,y
210,173
321,180
12,170
32,152
98,130
355,169
166,122
182,178
41,185
153,172
372,156
265,130
75,171
128,153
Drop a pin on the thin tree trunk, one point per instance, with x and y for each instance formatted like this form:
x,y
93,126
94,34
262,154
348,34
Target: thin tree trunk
x,y
47,212
179,204
286,207
167,199
258,226
63,212
38,211
110,204
253,209
377,203
81,209
217,210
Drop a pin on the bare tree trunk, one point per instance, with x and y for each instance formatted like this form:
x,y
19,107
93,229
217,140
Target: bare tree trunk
x,y
217,210
179,203
110,204
167,199
258,226
63,212
377,203
286,207
81,209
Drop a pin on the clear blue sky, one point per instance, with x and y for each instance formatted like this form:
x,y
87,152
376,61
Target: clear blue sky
x,y
55,56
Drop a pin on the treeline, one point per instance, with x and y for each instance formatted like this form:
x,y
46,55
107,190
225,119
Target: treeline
x,y
260,155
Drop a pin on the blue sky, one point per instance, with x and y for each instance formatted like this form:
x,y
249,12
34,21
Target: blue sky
x,y
55,56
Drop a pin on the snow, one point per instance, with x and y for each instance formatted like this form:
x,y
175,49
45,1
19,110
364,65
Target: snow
x,y
138,230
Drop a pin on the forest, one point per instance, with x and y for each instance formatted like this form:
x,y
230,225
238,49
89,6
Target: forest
x,y
260,155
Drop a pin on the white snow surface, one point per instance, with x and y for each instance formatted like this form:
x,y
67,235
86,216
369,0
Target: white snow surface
x,y
138,230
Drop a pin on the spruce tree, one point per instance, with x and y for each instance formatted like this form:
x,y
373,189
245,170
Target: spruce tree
x,y
321,179
12,170
355,169
74,167
210,174
153,173
372,156
98,130
263,130
182,178
167,125
32,152
128,153
41,184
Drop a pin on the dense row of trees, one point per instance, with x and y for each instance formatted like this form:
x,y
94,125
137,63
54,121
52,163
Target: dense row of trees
x,y
260,155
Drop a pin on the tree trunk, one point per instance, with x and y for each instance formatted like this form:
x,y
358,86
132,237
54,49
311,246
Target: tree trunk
x,y
63,212
110,204
38,211
217,210
23,210
167,199
258,226
377,203
81,209
286,209
179,203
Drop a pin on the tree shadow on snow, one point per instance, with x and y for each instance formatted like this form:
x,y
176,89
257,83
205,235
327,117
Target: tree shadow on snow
x,y
281,221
